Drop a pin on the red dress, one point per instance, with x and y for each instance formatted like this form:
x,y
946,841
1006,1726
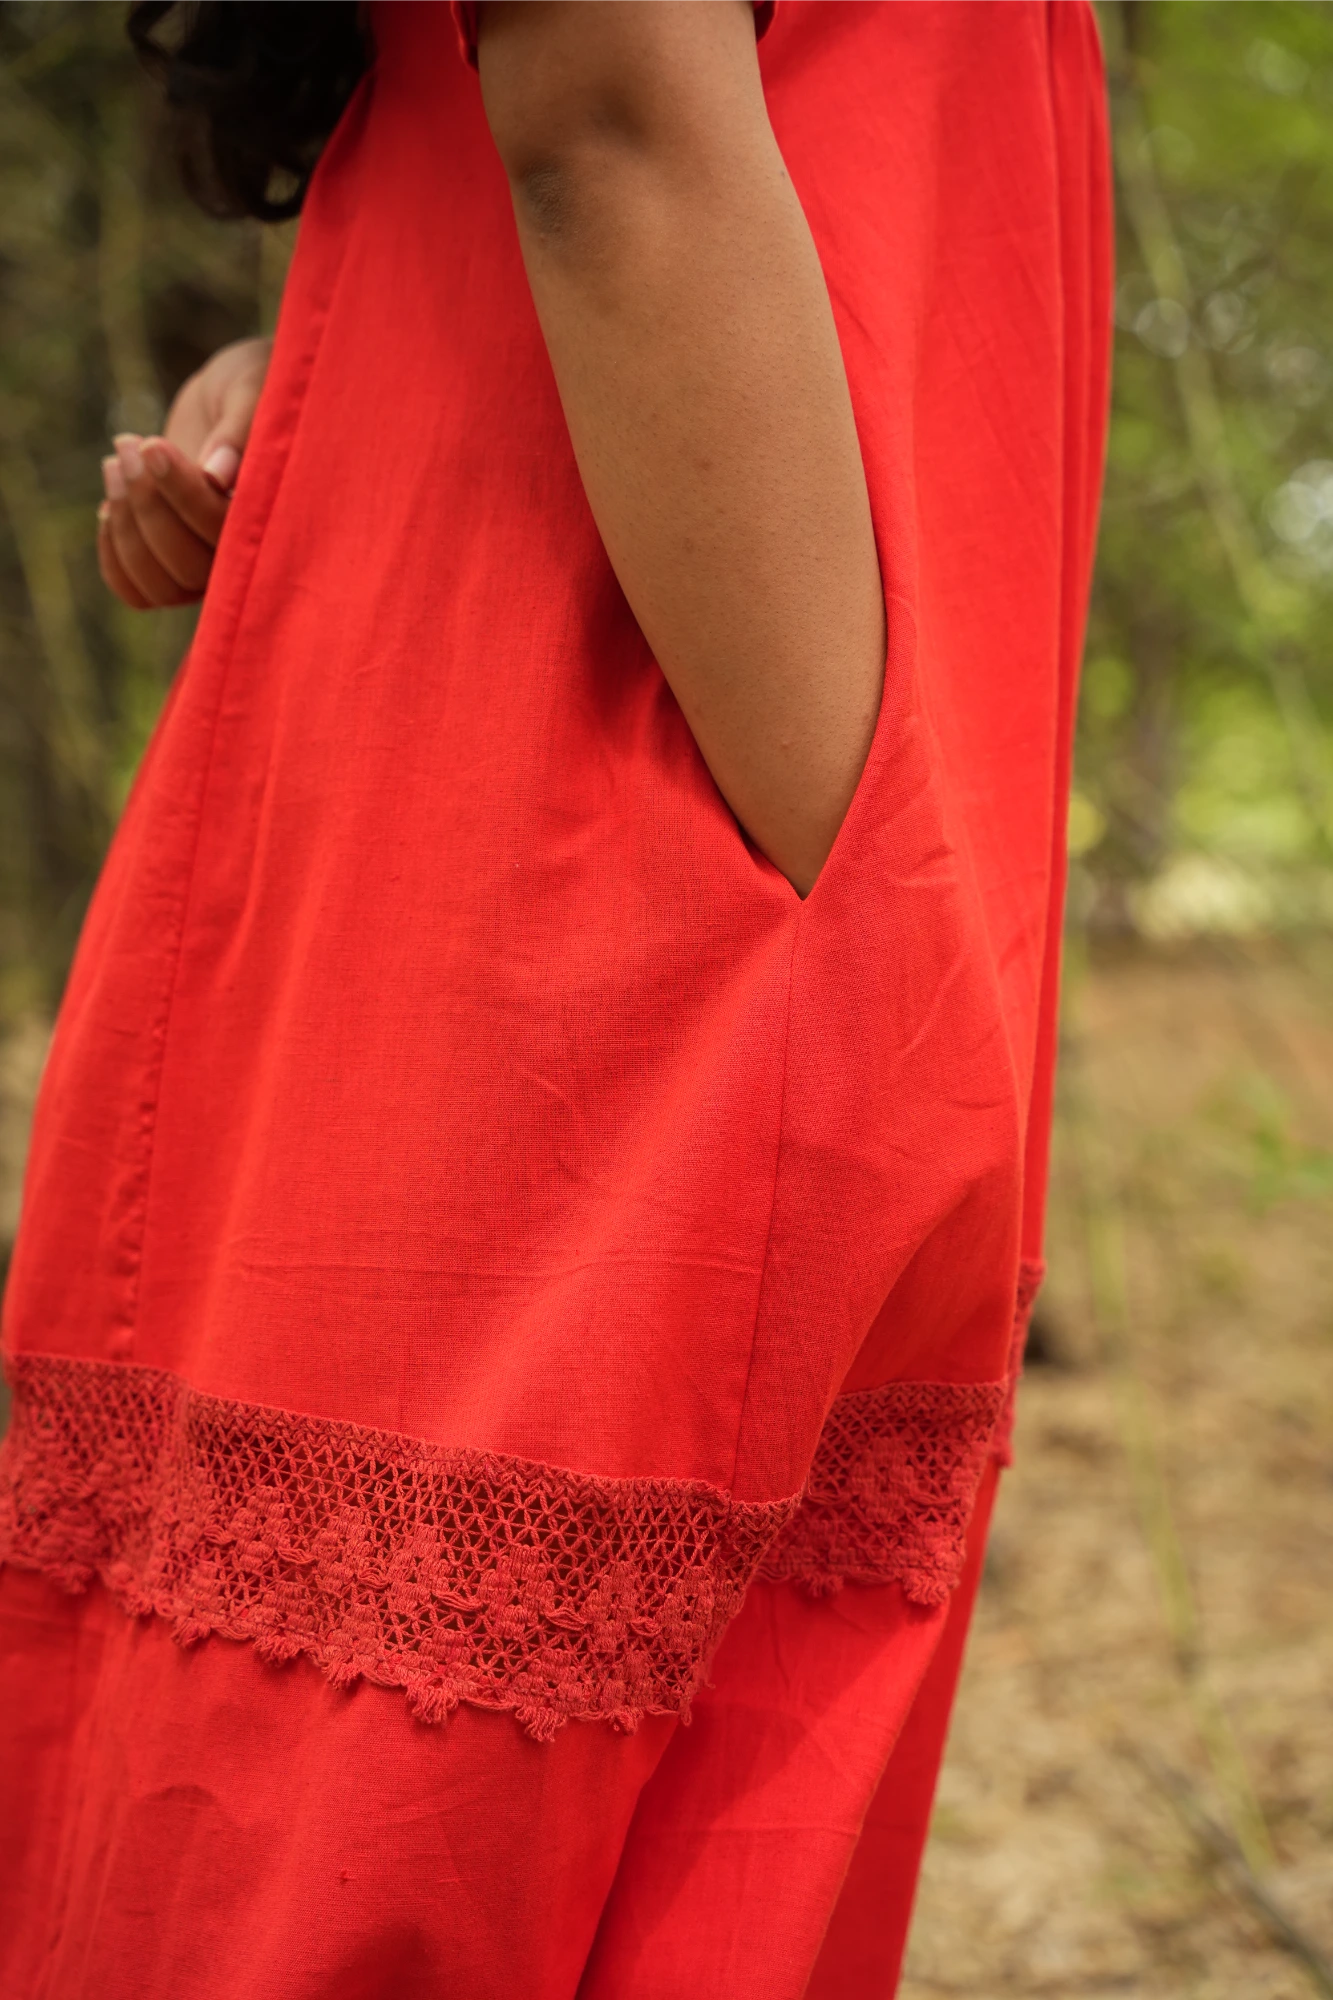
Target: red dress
x,y
495,1264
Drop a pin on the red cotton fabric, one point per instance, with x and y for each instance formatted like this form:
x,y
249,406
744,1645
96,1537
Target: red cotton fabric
x,y
501,1278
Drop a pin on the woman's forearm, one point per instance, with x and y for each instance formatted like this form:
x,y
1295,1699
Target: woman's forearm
x,y
693,343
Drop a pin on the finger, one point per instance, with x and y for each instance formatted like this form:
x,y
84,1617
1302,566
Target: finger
x,y
221,453
181,553
113,576
190,417
142,568
215,406
185,489
136,559
221,463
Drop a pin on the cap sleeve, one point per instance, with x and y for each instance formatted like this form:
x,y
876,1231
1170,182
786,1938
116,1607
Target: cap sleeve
x,y
465,22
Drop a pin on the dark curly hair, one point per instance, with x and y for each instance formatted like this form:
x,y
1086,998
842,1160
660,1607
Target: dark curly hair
x,y
255,87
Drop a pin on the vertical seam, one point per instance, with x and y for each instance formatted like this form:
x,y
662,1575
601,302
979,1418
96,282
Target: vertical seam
x,y
772,1206
226,647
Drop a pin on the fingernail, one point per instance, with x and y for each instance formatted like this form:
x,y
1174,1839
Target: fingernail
x,y
156,457
222,465
104,511
127,450
113,478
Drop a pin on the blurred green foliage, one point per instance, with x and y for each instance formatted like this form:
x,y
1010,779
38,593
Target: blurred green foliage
x,y
1203,787
1203,798
113,288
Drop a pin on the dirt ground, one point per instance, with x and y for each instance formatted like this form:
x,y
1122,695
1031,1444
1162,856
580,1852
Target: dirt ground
x,y
1161,1567
1162,1558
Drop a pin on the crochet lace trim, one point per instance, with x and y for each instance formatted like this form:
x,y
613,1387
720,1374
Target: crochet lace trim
x,y
895,1477
884,1501
464,1576
1030,1275
455,1575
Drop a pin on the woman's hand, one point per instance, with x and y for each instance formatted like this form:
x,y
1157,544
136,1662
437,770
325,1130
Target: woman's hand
x,y
167,497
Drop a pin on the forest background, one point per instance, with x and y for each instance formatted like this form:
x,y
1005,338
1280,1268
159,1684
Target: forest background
x,y
1140,1790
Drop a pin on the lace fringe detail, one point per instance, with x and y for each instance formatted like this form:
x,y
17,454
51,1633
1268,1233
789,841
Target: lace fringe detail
x,y
895,1478
891,1489
470,1576
455,1575
1030,1275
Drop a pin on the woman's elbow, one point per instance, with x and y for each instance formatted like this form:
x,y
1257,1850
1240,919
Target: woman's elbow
x,y
583,101
551,104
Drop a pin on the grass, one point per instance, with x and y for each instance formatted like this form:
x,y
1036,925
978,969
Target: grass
x,y
1156,1612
